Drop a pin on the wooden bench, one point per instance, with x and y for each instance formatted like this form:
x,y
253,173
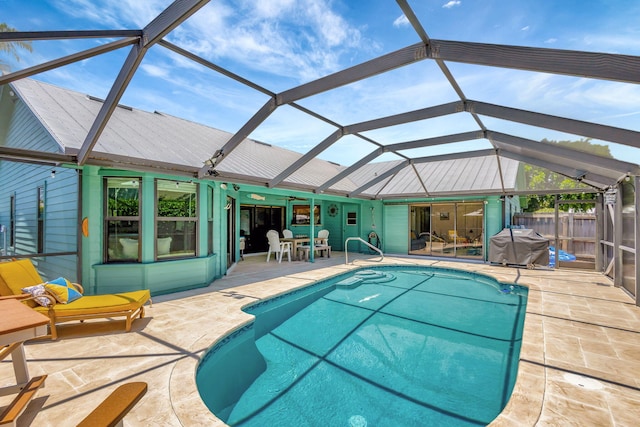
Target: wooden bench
x,y
11,413
323,248
306,248
116,406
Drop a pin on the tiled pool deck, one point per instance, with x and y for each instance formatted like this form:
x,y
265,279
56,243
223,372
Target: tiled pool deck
x,y
579,366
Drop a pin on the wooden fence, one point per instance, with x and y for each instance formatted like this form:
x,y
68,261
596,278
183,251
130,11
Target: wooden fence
x,y
576,231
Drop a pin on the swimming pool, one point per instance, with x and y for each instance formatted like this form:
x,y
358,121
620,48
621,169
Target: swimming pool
x,y
382,347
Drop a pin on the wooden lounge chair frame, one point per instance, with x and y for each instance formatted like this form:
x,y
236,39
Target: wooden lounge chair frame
x,y
18,274
112,410
109,413
17,406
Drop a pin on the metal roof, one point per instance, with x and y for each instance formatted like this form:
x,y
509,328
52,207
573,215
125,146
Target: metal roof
x,y
138,139
101,129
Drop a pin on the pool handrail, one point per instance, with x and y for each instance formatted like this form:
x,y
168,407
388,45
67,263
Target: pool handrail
x,y
346,249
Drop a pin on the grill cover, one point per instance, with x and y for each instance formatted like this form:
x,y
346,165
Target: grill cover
x,y
519,246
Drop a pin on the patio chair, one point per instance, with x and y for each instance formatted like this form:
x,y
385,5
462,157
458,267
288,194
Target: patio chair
x,y
324,235
323,244
277,247
288,234
20,280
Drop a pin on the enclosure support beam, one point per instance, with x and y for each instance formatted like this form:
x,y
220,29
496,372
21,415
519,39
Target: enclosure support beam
x,y
617,238
326,143
66,60
348,171
170,18
562,124
594,65
379,178
637,236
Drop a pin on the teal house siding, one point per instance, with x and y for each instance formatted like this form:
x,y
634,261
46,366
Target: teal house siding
x,y
333,224
493,212
92,212
159,277
395,235
372,214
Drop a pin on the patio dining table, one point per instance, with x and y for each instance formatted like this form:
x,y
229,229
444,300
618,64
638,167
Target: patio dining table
x,y
297,241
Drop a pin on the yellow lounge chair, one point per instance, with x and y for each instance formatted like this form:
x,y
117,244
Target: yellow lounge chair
x,y
16,275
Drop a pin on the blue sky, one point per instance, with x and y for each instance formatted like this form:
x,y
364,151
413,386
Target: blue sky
x,y
280,44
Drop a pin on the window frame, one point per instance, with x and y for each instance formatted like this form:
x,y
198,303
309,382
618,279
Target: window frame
x,y
112,218
210,219
12,220
352,218
301,210
195,219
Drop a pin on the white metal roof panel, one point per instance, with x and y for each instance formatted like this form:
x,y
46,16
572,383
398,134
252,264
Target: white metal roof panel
x,y
168,139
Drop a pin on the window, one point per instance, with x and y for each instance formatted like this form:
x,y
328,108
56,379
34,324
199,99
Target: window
x,y
40,220
352,218
176,219
122,219
12,220
302,215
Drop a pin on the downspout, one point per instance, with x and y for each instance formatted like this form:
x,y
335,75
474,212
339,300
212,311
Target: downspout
x,y
312,231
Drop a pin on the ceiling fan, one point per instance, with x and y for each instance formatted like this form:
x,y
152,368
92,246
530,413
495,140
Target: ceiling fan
x,y
292,198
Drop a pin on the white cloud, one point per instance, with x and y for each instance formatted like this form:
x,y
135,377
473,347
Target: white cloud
x,y
401,21
551,40
451,4
155,70
114,13
302,39
626,43
525,28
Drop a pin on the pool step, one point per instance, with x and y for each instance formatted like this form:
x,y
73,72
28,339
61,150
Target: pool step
x,y
375,276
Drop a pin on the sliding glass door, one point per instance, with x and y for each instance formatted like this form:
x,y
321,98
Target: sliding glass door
x,y
447,229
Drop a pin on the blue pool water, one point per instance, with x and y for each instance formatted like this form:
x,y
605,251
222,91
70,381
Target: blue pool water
x,y
383,347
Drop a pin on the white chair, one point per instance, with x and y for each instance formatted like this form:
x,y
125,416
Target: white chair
x,y
129,248
324,235
277,247
242,246
323,243
164,245
288,234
